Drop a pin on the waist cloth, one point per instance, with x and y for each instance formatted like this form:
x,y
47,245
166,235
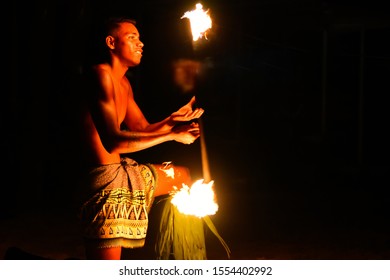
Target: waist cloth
x,y
116,212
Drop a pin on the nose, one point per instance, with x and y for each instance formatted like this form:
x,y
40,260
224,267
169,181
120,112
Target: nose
x,y
140,44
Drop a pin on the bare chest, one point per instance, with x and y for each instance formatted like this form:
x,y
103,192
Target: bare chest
x,y
120,97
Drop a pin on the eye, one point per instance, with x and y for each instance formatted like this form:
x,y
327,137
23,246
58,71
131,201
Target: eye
x,y
133,37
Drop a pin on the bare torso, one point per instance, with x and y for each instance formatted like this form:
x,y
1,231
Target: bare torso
x,y
95,152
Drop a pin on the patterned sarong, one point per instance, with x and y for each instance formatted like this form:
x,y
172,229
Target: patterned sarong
x,y
117,213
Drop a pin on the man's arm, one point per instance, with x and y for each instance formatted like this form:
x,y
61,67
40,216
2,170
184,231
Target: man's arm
x,y
136,121
105,116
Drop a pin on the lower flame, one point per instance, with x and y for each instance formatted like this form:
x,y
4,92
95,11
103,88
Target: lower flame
x,y
199,200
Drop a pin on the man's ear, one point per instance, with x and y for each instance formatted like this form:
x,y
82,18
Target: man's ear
x,y
110,42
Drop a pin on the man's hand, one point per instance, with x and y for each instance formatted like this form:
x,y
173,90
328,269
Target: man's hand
x,y
186,113
186,133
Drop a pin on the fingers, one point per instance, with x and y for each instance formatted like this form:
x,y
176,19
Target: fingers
x,y
197,113
187,134
192,128
193,100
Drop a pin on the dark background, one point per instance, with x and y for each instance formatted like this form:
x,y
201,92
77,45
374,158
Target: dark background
x,y
296,113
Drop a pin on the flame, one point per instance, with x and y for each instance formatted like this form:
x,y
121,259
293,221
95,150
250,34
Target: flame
x,y
199,200
200,21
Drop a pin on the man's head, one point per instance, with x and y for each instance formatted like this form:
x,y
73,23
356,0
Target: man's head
x,y
115,35
123,41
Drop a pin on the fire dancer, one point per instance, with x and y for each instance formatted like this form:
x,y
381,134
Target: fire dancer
x,y
117,191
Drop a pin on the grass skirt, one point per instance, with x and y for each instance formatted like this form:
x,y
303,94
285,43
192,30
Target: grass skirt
x,y
181,236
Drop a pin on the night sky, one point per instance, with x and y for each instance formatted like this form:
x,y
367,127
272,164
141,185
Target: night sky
x,y
295,94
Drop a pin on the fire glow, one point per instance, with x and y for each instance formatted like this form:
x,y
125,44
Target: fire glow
x,y
199,200
200,22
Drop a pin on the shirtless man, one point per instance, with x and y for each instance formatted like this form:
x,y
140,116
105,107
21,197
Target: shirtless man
x,y
117,192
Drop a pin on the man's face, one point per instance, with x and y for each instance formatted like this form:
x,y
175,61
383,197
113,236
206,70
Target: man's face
x,y
128,46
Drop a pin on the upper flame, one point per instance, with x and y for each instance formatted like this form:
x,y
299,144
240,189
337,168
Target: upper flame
x,y
199,200
200,21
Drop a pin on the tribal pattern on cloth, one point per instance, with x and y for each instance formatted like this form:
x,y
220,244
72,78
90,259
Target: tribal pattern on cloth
x,y
117,213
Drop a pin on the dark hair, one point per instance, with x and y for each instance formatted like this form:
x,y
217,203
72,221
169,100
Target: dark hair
x,y
112,23
95,48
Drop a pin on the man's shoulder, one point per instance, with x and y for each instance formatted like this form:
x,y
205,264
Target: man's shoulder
x,y
101,68
100,71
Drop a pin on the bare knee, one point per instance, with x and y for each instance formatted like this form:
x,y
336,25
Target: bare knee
x,y
169,177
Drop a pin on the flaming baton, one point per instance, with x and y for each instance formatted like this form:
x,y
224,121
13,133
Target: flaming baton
x,y
201,23
187,198
182,232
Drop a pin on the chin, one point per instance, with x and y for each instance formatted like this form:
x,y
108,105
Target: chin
x,y
134,63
